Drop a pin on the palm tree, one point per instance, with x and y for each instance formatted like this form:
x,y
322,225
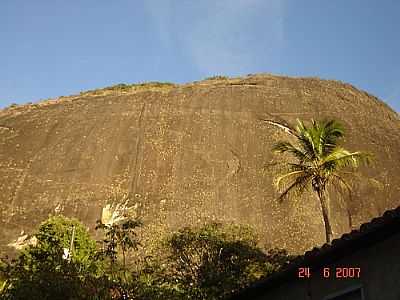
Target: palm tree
x,y
318,162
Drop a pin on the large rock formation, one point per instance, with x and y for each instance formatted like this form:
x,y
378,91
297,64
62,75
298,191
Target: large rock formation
x,y
189,154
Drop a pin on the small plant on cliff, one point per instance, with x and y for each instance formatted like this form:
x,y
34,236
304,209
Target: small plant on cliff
x,y
217,77
318,160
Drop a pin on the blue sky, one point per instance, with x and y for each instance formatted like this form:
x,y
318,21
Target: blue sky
x,y
50,48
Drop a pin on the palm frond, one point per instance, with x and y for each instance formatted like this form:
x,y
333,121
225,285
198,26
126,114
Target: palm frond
x,y
321,137
299,167
338,181
315,132
284,127
319,158
298,186
306,139
283,146
341,158
332,131
288,176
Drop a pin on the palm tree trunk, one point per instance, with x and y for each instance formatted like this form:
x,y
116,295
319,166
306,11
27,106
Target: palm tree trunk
x,y
325,215
349,218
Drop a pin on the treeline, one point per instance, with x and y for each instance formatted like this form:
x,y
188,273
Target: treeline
x,y
65,262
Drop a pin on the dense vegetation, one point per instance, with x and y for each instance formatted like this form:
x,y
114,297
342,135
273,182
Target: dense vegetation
x,y
210,262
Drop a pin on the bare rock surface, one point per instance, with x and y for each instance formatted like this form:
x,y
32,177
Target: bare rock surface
x,y
189,154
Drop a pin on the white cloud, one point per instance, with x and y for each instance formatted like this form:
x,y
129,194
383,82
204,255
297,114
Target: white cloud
x,y
225,36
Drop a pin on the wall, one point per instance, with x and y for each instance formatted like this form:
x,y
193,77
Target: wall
x,y
379,276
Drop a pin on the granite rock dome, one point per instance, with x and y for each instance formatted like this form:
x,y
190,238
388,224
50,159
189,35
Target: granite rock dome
x,y
188,154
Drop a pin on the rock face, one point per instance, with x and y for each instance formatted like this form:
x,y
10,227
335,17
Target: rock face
x,y
188,154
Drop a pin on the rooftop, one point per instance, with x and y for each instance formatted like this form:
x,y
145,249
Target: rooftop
x,y
370,233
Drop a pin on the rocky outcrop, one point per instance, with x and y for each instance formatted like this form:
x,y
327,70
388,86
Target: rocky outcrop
x,y
190,153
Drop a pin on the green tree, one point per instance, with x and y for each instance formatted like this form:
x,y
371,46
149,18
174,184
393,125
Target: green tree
x,y
44,271
318,161
120,236
210,262
119,227
61,232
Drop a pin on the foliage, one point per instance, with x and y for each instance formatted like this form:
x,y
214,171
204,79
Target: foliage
x,y
57,232
3,275
217,77
319,161
119,224
119,235
41,271
209,262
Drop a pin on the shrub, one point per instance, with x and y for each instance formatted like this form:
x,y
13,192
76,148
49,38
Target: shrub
x,y
210,262
43,271
217,77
